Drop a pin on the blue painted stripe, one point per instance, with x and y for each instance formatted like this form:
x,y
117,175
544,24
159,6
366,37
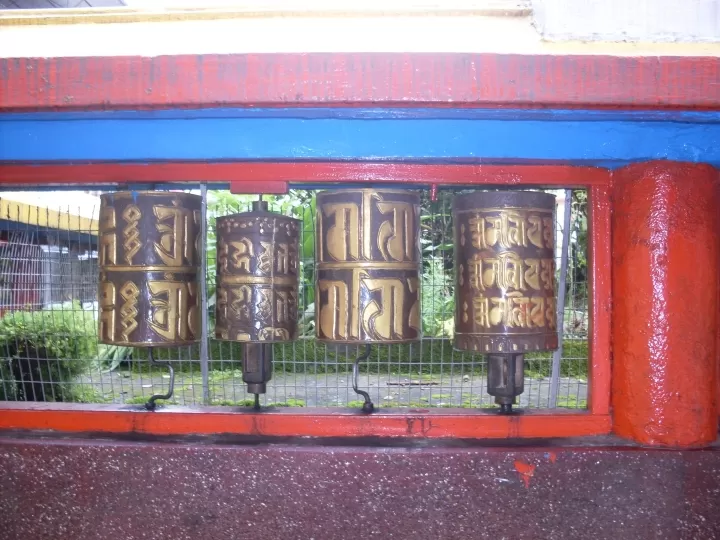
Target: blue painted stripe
x,y
599,142
580,115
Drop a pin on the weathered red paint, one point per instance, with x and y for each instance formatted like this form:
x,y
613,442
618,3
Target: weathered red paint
x,y
525,470
245,177
356,79
665,279
311,422
264,188
600,298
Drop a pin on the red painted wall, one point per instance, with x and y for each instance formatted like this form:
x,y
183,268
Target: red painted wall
x,y
665,303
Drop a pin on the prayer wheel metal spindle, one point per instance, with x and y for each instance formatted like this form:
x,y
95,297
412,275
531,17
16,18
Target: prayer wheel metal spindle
x,y
257,287
368,270
149,263
505,304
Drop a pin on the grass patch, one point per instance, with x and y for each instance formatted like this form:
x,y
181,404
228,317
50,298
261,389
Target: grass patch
x,y
87,394
571,402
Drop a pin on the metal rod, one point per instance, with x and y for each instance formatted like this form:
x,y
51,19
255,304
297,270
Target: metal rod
x,y
557,355
368,406
204,356
150,405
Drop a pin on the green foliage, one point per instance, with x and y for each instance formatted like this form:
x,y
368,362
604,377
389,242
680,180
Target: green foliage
x,y
87,394
571,402
577,276
44,351
109,357
438,303
574,361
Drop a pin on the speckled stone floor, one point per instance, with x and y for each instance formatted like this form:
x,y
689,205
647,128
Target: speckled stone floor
x,y
69,489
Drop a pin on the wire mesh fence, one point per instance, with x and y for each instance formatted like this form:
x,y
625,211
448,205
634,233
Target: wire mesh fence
x,y
48,331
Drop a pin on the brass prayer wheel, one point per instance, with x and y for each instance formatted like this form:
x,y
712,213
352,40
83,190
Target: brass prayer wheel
x,y
505,302
505,263
257,276
368,266
257,287
149,295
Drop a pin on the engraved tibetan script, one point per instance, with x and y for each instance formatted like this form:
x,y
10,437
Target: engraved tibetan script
x,y
257,277
510,229
367,266
178,236
366,307
514,311
505,260
107,254
174,310
343,237
507,270
396,236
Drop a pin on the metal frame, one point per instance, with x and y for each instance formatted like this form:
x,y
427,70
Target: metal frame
x,y
456,423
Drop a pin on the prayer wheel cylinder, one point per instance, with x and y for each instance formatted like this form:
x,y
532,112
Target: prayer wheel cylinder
x,y
149,262
257,287
505,303
368,266
257,276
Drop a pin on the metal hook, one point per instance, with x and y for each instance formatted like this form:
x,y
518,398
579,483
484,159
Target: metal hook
x,y
150,405
368,406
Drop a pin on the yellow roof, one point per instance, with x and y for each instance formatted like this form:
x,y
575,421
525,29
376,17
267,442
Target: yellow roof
x,y
29,214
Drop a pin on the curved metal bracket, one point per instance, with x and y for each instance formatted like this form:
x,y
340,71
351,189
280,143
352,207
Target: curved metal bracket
x,y
150,405
368,406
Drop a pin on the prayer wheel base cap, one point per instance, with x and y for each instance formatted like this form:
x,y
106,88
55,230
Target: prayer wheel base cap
x,y
257,388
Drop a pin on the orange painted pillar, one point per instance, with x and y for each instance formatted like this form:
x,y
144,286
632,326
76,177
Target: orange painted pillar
x,y
666,269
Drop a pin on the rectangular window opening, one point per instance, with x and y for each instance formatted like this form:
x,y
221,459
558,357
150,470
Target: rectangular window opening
x,y
48,332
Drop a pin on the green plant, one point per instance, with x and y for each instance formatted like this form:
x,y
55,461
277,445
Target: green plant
x,y
577,276
109,357
44,351
88,394
571,402
438,302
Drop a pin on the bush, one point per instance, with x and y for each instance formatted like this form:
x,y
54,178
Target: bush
x,y
44,351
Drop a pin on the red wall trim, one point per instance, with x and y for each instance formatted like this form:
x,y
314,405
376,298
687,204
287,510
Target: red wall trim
x,y
306,423
600,256
359,79
249,177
